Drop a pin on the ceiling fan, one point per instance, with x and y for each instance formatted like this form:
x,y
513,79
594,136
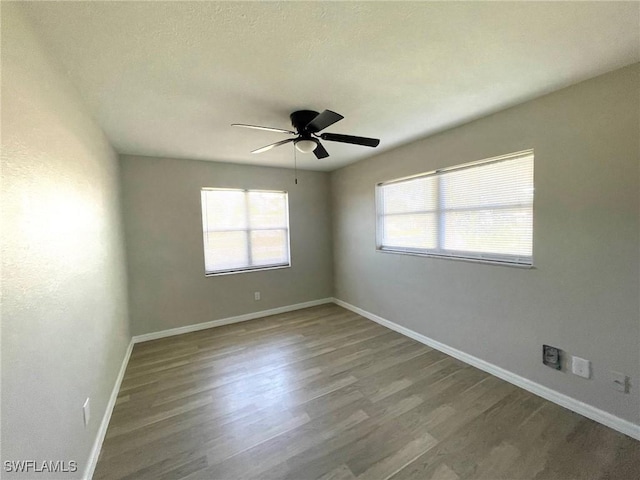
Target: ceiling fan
x,y
307,125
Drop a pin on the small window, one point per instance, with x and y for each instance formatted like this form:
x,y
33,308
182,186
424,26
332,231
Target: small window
x,y
480,211
244,230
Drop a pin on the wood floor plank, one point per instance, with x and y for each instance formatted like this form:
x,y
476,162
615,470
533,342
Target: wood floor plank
x,y
323,393
339,473
277,450
397,460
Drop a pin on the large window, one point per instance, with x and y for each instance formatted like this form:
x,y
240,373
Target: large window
x,y
481,211
244,230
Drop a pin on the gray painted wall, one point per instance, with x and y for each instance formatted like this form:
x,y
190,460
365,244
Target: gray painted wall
x,y
163,224
583,294
65,324
64,313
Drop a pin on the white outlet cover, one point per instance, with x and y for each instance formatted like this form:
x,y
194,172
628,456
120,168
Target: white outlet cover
x,y
86,411
581,367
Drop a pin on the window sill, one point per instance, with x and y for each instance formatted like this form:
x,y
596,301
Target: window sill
x,y
495,263
246,270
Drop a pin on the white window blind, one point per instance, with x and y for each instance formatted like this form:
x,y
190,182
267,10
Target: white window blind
x,y
479,211
244,230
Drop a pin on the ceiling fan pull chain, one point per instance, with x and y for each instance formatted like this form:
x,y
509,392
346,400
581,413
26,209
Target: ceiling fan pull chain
x,y
295,164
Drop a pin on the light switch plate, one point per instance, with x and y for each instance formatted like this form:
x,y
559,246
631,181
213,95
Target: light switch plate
x,y
581,367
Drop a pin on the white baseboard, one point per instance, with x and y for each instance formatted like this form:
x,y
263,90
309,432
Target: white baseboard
x,y
589,411
226,321
104,425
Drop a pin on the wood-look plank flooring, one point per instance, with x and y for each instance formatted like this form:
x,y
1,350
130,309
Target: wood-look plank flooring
x,y
323,393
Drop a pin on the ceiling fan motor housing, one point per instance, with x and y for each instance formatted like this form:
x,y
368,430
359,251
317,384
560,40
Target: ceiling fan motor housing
x,y
301,119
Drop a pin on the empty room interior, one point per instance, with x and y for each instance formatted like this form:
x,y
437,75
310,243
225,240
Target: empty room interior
x,y
320,240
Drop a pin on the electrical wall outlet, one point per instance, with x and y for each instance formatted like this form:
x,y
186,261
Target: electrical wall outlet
x,y
86,411
551,357
256,296
581,367
620,382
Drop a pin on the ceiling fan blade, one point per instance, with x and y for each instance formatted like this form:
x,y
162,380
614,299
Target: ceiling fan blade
x,y
320,152
322,121
268,129
336,137
273,145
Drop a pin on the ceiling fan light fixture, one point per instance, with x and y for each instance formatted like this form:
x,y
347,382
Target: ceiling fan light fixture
x,y
306,146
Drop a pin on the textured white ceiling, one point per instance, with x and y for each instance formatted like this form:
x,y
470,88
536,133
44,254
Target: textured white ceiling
x,y
168,78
